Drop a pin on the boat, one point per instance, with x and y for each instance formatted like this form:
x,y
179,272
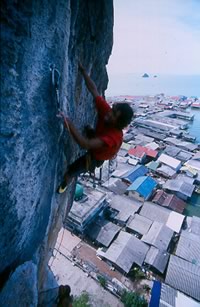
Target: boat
x,y
195,105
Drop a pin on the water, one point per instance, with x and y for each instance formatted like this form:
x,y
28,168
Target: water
x,y
194,128
134,84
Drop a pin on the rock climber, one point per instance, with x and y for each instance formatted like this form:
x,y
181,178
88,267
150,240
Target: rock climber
x,y
101,143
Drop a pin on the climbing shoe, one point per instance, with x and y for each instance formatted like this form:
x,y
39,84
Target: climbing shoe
x,y
62,188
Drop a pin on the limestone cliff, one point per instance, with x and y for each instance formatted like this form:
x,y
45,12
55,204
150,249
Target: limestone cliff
x,y
34,147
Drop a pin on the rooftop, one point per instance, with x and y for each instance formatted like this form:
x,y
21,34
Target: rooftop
x,y
159,235
184,276
179,186
139,224
172,162
103,232
135,172
125,251
188,247
169,200
144,185
82,211
125,206
157,258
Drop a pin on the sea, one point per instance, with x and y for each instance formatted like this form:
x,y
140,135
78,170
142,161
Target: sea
x,y
170,85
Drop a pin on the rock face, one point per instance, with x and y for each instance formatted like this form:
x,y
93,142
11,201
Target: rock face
x,y
35,149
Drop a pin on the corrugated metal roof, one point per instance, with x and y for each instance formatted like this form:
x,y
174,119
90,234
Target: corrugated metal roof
x,y
153,165
188,247
126,250
172,162
139,224
179,186
195,225
144,185
159,236
115,185
139,151
156,258
172,150
125,205
134,173
166,171
103,232
175,221
155,212
168,295
184,276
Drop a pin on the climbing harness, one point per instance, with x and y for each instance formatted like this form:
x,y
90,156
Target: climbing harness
x,y
55,78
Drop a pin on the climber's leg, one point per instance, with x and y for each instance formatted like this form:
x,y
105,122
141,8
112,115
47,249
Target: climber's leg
x,y
75,169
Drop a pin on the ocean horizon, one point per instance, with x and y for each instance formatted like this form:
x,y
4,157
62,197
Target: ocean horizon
x,y
135,84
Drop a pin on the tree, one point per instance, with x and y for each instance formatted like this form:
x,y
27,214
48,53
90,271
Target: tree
x,y
133,299
102,281
82,300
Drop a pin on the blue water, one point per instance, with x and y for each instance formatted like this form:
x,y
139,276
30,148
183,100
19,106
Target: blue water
x,y
194,128
134,84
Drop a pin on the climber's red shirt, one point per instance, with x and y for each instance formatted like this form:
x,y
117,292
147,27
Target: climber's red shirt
x,y
112,137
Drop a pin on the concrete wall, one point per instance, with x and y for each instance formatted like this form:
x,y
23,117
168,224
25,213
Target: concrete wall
x,y
34,148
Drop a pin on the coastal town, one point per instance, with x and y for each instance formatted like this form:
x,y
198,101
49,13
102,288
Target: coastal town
x,y
134,225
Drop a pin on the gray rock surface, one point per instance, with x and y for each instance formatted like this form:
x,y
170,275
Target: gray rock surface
x,y
34,148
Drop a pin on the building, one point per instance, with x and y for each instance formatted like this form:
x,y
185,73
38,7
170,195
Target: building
x,y
182,189
115,185
170,297
169,200
153,165
184,276
123,208
166,171
134,173
169,161
157,259
103,232
188,247
158,235
125,251
142,188
84,213
140,152
171,219
139,224
193,224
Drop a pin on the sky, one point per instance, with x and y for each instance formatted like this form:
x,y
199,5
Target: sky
x,y
156,36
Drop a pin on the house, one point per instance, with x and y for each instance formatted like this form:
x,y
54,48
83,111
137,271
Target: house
x,y
158,235
157,259
166,171
171,219
134,173
170,161
123,207
83,213
103,232
188,247
166,296
184,276
153,165
142,188
181,188
140,152
139,224
169,200
125,251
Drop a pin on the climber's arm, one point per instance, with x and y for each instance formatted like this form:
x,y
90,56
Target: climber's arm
x,y
88,81
94,143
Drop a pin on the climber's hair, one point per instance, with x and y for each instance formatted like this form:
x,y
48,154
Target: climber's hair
x,y
126,114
